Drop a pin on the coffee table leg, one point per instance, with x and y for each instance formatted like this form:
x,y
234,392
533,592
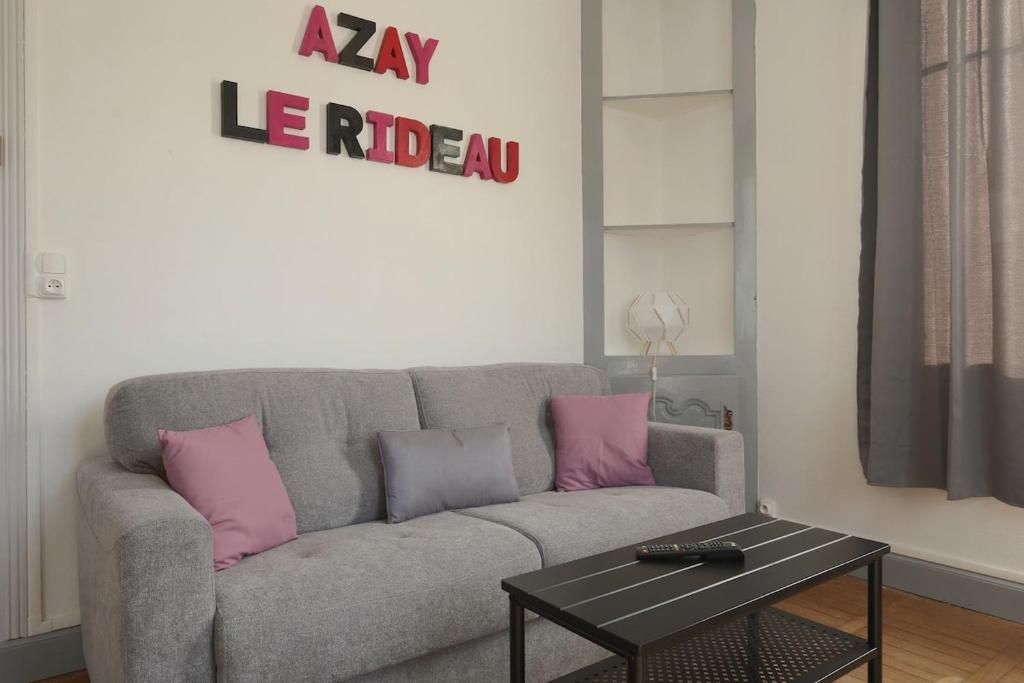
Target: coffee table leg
x,y
637,669
875,619
754,646
517,642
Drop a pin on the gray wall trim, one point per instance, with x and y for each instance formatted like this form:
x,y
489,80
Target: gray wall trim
x,y
592,123
744,26
52,654
998,597
13,353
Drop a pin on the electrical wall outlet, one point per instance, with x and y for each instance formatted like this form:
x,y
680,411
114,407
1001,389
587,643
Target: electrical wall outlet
x,y
47,276
52,286
767,506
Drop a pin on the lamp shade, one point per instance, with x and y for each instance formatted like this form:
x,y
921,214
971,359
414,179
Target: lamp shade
x,y
657,318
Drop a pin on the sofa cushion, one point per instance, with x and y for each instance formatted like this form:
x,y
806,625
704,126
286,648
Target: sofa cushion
x,y
601,441
335,604
568,525
431,470
516,394
320,427
225,473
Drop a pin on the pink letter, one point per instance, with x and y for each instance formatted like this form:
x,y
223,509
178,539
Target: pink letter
x,y
476,158
381,122
318,36
278,119
421,54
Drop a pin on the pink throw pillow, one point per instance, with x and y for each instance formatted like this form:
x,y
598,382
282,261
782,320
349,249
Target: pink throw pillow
x,y
227,475
601,441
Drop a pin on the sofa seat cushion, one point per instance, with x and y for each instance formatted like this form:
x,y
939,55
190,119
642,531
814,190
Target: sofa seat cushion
x,y
338,603
568,525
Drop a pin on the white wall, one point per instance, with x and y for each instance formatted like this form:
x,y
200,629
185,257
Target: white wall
x,y
188,251
810,93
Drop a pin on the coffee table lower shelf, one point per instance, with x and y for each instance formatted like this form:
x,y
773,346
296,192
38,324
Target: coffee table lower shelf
x,y
769,646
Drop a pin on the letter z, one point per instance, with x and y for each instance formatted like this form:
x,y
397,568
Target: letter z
x,y
364,30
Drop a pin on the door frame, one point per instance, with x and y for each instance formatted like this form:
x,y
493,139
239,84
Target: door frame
x,y
13,348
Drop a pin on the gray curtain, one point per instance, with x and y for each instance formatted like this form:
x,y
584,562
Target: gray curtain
x,y
941,376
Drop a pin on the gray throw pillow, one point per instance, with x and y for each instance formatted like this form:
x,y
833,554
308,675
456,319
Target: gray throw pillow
x,y
444,469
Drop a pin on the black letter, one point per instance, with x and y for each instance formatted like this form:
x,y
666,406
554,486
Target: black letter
x,y
440,149
338,133
364,28
229,127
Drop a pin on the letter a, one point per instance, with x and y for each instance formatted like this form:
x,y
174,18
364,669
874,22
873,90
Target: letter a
x,y
318,36
391,55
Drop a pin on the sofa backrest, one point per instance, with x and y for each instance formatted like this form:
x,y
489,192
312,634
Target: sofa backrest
x,y
320,426
517,394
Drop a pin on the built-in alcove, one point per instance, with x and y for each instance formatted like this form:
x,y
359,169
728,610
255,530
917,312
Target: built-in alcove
x,y
668,197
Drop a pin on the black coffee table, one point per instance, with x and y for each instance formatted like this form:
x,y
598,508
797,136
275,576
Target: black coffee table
x,y
682,621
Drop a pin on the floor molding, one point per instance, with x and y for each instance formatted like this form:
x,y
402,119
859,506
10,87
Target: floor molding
x,y
51,654
998,597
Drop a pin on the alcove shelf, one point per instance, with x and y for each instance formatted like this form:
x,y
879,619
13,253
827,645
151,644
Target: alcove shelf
x,y
668,159
656,95
666,46
692,226
695,261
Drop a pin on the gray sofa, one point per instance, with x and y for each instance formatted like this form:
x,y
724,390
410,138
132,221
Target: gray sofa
x,y
354,598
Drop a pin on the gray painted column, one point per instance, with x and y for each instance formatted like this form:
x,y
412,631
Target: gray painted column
x,y
744,24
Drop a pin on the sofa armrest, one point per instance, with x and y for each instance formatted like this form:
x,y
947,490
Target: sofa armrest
x,y
145,565
698,458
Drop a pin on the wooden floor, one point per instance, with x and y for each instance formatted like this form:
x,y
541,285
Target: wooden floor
x,y
923,640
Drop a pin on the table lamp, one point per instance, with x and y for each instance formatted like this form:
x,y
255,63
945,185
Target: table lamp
x,y
656,319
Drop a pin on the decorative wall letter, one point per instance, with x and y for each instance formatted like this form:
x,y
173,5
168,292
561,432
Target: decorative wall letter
x,y
381,122
229,127
511,171
440,150
347,132
364,28
415,144
318,36
421,54
278,119
390,55
403,129
476,158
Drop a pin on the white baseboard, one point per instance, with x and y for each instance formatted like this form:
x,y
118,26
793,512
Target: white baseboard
x,y
66,620
37,626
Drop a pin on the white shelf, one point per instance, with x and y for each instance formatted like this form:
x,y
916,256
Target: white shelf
x,y
668,159
692,227
658,46
657,95
698,265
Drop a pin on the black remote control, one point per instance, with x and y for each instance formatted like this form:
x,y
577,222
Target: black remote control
x,y
708,550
